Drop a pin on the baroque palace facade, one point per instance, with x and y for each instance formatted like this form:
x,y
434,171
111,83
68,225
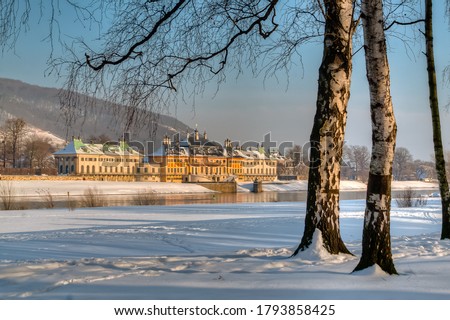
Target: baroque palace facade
x,y
194,159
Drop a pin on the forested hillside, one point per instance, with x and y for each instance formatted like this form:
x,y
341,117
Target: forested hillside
x,y
40,107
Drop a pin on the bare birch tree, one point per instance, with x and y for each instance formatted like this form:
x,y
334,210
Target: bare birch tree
x,y
436,121
376,243
327,136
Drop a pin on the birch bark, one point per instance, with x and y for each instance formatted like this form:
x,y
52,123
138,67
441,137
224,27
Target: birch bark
x,y
327,136
376,230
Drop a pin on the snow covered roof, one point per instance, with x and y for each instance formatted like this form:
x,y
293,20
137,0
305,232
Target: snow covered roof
x,y
250,154
256,154
76,146
73,147
240,154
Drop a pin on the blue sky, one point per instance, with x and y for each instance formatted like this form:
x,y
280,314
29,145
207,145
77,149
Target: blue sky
x,y
247,108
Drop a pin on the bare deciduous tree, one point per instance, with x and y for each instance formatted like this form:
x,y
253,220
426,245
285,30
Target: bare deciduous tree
x,y
327,136
38,151
102,138
294,164
436,121
402,160
14,130
358,157
376,241
157,51
424,170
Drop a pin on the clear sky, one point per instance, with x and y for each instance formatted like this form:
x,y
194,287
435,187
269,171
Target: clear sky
x,y
247,108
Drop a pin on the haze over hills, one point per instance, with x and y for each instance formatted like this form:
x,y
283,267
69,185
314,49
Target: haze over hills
x,y
40,108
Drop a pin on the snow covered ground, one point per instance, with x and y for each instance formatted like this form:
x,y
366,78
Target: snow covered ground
x,y
77,187
220,251
31,188
346,185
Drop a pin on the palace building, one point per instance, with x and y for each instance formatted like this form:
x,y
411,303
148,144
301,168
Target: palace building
x,y
109,160
193,159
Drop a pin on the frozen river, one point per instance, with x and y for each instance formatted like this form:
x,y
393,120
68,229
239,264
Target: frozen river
x,y
39,194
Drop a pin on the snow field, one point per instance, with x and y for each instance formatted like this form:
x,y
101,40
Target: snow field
x,y
224,251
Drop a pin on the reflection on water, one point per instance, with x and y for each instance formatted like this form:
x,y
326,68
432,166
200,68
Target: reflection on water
x,y
235,198
258,197
198,198
177,199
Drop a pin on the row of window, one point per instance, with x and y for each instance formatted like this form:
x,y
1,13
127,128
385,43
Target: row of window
x,y
119,159
222,161
270,171
92,169
256,164
110,159
172,169
153,170
206,170
134,160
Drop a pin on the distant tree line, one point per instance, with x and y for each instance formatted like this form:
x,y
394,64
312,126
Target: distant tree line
x,y
356,162
22,149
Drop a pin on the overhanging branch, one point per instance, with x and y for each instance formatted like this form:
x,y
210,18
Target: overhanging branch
x,y
403,23
270,11
131,54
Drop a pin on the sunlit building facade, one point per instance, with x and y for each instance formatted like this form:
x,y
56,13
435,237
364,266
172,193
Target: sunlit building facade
x,y
192,159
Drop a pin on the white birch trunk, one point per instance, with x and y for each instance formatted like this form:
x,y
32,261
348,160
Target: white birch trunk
x,y
327,136
376,230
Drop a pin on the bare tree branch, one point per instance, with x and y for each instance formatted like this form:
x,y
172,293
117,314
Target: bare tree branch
x,y
153,46
400,23
132,54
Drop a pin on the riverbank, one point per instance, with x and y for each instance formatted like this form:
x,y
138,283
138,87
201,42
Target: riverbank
x,y
346,185
78,187
30,188
75,194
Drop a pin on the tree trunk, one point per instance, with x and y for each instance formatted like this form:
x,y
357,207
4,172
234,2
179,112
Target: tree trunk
x,y
376,231
437,137
14,152
327,136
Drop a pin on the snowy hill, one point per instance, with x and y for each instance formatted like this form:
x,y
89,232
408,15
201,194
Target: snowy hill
x,y
40,107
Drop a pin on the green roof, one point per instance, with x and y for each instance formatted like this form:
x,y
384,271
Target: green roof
x,y
78,144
